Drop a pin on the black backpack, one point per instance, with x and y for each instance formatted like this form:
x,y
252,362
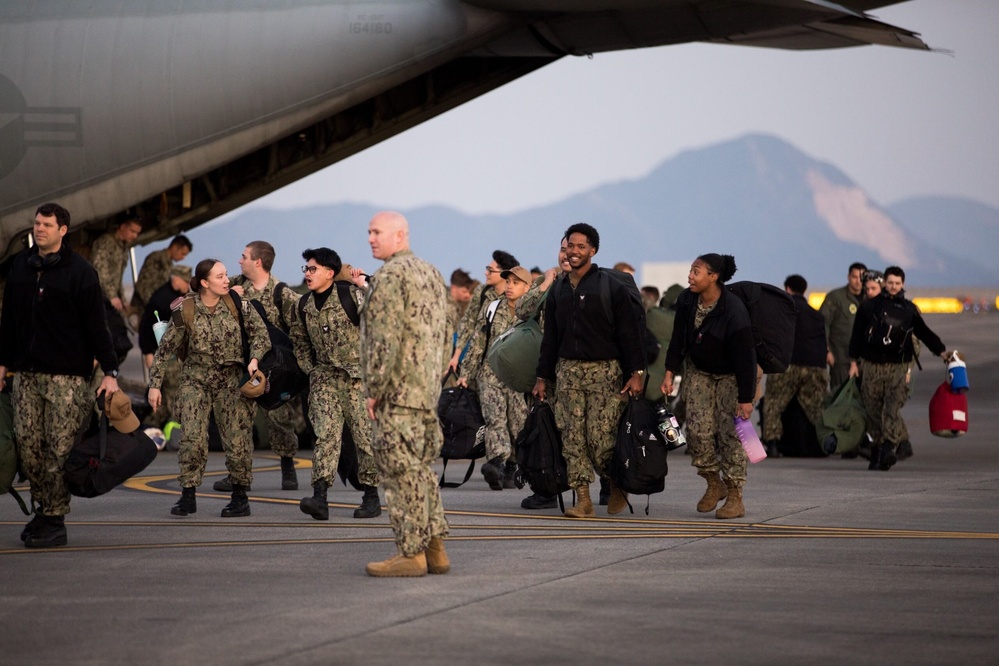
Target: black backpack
x,y
540,463
285,380
891,328
639,465
650,345
461,421
772,315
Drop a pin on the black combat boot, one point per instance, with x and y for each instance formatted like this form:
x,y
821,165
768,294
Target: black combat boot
x,y
32,525
888,457
238,506
536,502
187,503
370,506
772,447
605,491
492,471
875,458
904,450
51,532
289,480
509,470
316,506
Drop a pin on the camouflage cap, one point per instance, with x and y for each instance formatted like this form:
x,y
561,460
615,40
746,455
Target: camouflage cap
x,y
181,271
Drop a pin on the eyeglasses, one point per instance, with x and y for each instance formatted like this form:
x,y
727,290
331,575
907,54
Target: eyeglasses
x,y
311,270
490,269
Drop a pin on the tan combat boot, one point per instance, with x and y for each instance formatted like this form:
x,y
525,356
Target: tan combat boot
x,y
584,505
399,566
437,561
715,493
618,500
733,507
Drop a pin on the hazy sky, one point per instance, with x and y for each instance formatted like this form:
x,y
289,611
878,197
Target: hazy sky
x,y
899,122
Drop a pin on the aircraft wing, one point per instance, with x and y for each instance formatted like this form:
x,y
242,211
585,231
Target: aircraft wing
x,y
184,111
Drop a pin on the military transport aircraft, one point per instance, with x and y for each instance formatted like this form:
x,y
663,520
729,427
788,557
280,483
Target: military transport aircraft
x,y
183,111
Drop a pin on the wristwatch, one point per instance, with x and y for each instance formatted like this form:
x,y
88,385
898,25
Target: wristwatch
x,y
640,373
113,374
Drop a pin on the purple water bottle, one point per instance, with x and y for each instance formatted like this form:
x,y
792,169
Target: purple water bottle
x,y
750,440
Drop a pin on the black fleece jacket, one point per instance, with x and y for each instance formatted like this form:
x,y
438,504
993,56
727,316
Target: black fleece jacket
x,y
723,345
577,326
54,320
900,309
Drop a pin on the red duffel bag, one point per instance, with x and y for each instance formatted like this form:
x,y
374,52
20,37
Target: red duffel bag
x,y
948,412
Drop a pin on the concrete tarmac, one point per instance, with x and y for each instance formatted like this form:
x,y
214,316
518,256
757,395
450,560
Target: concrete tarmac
x,y
832,564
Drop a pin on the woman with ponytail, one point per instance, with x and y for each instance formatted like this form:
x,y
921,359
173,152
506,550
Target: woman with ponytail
x,y
713,333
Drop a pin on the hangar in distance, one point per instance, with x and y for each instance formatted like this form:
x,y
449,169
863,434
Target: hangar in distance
x,y
183,111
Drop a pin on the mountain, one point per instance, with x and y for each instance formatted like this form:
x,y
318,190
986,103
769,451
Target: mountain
x,y
776,209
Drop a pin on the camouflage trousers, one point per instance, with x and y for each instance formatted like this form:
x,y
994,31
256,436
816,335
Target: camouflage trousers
x,y
711,439
588,407
884,392
504,411
406,442
216,390
281,427
806,383
48,413
336,398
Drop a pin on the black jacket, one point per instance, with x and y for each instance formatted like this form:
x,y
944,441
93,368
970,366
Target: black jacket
x,y
577,326
53,317
809,335
865,325
723,345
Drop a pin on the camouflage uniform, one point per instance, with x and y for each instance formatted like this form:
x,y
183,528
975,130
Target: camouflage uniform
x,y
467,327
109,257
402,326
281,420
503,409
455,311
154,274
327,346
839,309
211,376
807,383
588,407
884,393
50,409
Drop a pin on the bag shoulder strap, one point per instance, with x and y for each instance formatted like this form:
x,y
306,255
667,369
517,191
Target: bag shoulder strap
x,y
348,304
234,304
279,303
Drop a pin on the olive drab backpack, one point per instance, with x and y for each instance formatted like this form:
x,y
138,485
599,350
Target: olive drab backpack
x,y
183,317
8,450
513,355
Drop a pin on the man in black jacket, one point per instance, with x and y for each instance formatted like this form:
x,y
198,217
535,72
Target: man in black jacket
x,y
806,378
591,355
882,337
53,327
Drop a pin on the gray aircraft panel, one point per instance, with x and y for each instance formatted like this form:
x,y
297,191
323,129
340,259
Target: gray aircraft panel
x,y
110,105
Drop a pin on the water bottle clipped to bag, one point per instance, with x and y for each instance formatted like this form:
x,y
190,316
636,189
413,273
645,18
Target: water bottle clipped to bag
x,y
669,426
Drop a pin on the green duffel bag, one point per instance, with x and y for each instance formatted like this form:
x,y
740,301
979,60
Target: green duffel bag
x,y
844,421
513,355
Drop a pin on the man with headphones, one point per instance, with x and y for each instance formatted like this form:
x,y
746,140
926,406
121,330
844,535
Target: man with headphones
x,y
53,327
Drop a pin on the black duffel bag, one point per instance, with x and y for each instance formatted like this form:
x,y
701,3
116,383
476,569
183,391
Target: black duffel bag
x,y
103,459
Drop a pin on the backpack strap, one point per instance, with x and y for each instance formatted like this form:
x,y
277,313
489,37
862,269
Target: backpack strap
x,y
488,328
234,304
279,303
452,484
348,304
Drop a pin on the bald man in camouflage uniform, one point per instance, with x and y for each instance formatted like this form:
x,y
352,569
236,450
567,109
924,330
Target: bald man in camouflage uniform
x,y
280,305
402,326
327,346
211,374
